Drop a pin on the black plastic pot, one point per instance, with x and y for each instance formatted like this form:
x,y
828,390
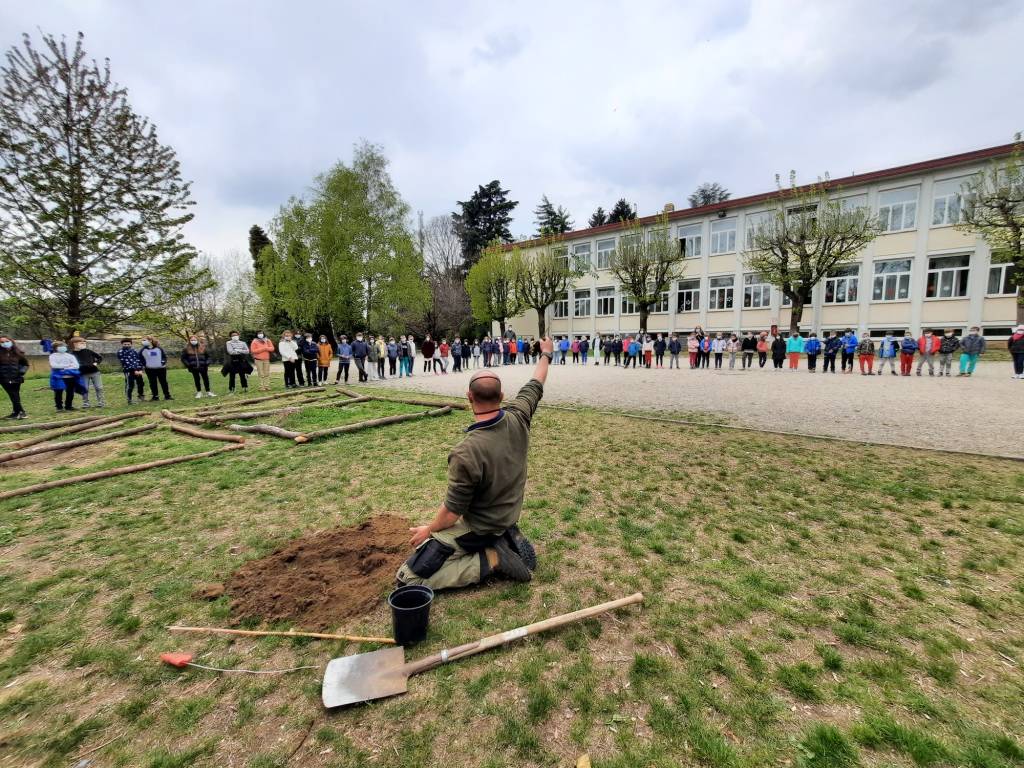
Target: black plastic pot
x,y
410,612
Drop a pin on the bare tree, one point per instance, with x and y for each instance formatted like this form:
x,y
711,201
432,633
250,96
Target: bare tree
x,y
442,261
542,277
647,266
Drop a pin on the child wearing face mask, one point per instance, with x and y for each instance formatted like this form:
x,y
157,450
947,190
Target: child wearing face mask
x,y
310,352
324,354
360,349
89,364
238,362
948,345
262,348
132,367
64,377
908,348
155,358
197,362
289,352
13,367
888,349
971,347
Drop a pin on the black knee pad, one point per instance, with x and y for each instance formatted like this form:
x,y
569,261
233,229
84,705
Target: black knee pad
x,y
428,559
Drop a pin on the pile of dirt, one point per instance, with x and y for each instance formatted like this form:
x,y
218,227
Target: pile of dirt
x,y
319,580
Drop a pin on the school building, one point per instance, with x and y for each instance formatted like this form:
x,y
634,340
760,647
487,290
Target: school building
x,y
920,273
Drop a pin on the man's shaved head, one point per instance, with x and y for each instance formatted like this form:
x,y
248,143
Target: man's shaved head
x,y
485,388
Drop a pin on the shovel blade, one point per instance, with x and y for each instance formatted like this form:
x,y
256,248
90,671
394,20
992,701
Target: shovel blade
x,y
364,676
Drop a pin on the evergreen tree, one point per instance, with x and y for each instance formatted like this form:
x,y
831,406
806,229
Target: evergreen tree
x,y
258,240
92,205
551,220
598,217
622,211
708,193
482,219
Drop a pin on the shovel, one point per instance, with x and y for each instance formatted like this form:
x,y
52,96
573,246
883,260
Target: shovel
x,y
378,674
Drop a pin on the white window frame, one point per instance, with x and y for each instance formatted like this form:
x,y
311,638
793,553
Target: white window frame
x,y
603,297
946,197
895,207
899,280
757,292
752,221
562,252
951,276
560,306
581,256
1003,270
844,281
721,294
723,236
626,304
690,238
660,307
605,253
581,301
691,289
853,202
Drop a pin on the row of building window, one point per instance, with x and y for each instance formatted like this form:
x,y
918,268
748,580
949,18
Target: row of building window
x,y
947,278
897,212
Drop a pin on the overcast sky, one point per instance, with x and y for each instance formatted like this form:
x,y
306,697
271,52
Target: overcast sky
x,y
584,101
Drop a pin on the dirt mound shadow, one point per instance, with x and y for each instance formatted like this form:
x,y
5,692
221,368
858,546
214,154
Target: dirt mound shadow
x,y
319,580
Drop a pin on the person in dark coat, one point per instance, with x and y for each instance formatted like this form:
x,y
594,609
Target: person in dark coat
x,y
13,367
778,352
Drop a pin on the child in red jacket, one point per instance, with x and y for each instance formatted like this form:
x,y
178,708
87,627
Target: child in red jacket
x,y
928,345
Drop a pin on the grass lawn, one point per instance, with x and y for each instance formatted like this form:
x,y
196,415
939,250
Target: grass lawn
x,y
807,604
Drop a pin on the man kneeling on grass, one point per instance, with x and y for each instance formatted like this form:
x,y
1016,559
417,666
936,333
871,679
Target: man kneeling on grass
x,y
475,533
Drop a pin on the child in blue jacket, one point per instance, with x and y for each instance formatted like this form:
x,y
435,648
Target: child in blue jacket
x,y
888,349
832,346
850,342
813,348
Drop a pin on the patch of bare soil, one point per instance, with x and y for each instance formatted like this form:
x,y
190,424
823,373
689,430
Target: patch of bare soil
x,y
320,580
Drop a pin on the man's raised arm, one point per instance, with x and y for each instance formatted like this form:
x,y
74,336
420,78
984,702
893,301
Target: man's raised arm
x,y
540,373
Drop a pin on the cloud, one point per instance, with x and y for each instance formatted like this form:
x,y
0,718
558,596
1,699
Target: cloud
x,y
586,101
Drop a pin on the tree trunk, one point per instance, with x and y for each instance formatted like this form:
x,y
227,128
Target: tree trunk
x,y
501,324
541,321
644,312
796,314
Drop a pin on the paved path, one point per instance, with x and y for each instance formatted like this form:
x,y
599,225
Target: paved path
x,y
983,413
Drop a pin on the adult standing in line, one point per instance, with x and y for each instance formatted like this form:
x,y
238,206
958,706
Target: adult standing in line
x,y
412,356
261,348
299,341
324,355
359,352
475,533
237,363
89,365
310,352
403,355
467,352
344,359
427,348
457,355
155,358
1016,346
289,351
372,357
132,368
13,367
197,362
65,377
382,354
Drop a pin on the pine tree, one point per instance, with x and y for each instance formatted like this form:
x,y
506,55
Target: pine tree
x,y
482,219
258,240
622,211
598,217
551,220
92,205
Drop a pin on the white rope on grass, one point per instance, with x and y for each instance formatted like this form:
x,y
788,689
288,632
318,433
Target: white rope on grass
x,y
251,671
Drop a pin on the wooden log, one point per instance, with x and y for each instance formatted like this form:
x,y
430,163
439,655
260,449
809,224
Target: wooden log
x,y
206,435
228,403
48,424
353,401
220,418
71,430
117,471
269,633
172,416
265,429
370,423
416,401
349,392
68,444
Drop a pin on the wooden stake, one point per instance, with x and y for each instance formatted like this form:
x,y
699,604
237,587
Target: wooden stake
x,y
354,400
349,392
67,445
71,430
172,416
371,423
267,633
220,418
228,403
265,429
415,401
112,472
205,434
48,424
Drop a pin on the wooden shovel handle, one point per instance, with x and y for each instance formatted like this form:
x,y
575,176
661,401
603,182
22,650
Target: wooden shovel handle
x,y
478,646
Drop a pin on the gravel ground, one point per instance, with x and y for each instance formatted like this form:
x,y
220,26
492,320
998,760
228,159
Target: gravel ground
x,y
981,414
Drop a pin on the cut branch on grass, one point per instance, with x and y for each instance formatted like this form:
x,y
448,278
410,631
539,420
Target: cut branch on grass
x,y
117,471
354,400
83,427
227,403
359,425
69,444
220,418
265,429
205,434
458,406
49,424
172,416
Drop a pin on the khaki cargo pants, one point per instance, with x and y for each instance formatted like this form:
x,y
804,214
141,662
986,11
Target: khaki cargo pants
x,y
450,558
